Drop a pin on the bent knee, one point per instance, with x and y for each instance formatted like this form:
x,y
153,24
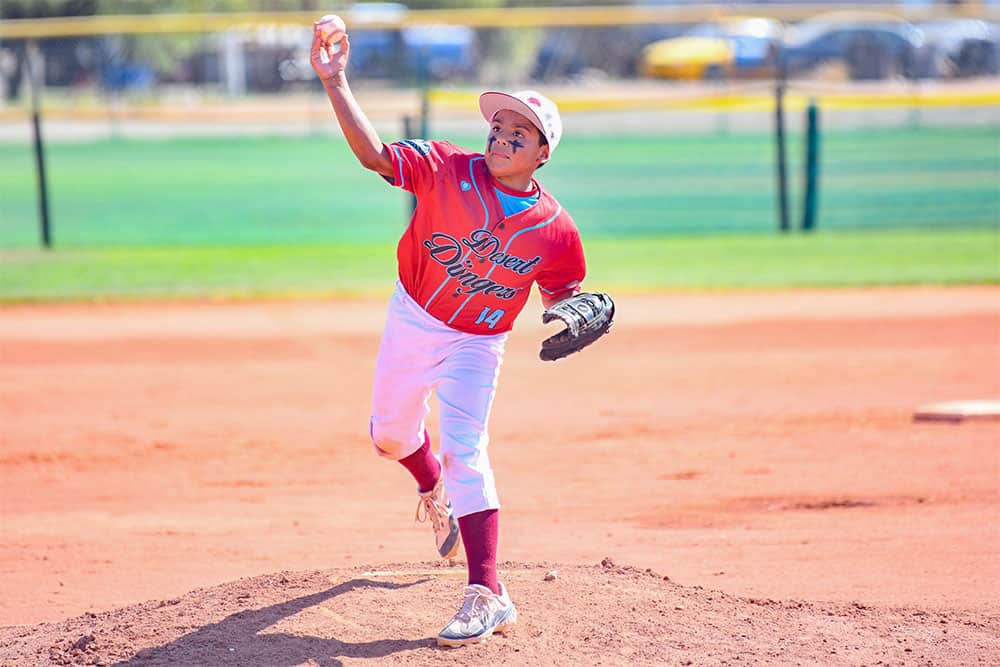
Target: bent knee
x,y
390,443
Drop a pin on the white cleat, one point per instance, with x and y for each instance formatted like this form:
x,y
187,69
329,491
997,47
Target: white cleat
x,y
483,613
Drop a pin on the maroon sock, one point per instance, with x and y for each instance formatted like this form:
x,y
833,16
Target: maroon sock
x,y
423,465
479,534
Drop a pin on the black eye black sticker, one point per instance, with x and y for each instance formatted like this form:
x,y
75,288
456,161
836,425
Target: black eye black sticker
x,y
514,143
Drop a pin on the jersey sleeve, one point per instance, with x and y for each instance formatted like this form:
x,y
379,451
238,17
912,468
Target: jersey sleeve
x,y
569,269
416,162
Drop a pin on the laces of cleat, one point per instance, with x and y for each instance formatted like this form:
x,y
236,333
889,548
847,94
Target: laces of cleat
x,y
432,510
476,605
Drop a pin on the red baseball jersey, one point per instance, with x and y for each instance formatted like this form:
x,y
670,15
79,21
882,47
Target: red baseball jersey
x,y
461,258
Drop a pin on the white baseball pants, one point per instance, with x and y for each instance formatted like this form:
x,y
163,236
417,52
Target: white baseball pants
x,y
420,354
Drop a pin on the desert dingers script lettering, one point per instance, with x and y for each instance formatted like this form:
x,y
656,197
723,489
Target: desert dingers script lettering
x,y
448,251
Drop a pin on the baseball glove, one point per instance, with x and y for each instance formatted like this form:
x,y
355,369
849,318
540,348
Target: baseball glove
x,y
587,317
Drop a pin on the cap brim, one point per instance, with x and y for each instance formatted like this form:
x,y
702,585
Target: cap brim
x,y
492,101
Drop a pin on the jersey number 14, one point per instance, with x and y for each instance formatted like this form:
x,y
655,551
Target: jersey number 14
x,y
490,318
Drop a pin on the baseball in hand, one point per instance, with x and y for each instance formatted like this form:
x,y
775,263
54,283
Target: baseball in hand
x,y
331,28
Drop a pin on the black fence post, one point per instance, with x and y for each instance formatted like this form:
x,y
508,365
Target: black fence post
x,y
425,112
35,80
779,143
811,168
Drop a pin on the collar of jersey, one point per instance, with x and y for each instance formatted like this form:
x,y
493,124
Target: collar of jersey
x,y
535,190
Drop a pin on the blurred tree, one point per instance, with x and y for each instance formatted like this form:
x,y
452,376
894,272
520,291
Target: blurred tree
x,y
174,6
166,55
34,9
208,6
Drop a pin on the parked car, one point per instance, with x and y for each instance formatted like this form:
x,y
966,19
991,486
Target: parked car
x,y
962,47
870,45
377,52
440,52
568,53
732,47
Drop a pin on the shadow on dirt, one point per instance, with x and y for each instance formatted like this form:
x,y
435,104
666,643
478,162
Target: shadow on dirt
x,y
236,639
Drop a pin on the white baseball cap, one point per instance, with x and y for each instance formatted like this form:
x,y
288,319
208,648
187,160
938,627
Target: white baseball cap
x,y
531,104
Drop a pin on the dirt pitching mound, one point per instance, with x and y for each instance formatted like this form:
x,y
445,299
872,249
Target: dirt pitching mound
x,y
601,614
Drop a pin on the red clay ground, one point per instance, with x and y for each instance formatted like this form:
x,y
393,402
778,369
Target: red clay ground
x,y
756,448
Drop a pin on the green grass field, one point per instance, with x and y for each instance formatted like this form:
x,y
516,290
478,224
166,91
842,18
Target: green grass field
x,y
283,216
828,259
310,189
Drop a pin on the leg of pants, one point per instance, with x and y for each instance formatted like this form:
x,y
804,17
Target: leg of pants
x,y
417,355
465,391
404,379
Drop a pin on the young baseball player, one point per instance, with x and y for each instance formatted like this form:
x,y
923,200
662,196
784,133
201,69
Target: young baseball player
x,y
482,233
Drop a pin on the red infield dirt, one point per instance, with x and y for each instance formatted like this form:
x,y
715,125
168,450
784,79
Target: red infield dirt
x,y
726,478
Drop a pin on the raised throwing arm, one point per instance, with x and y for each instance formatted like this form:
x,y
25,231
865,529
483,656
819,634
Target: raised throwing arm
x,y
330,64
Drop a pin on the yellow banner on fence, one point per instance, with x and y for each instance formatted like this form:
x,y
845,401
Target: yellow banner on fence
x,y
760,100
501,17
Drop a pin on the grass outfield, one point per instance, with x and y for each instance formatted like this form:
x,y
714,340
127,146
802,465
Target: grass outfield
x,y
302,190
829,259
279,217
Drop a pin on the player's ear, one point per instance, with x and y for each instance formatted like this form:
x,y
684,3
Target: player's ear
x,y
543,154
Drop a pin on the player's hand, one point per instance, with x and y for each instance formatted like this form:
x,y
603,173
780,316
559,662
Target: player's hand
x,y
330,50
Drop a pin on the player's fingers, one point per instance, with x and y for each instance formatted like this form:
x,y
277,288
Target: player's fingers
x,y
338,53
317,45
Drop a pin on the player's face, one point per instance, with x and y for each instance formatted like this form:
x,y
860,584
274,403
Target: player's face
x,y
514,149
